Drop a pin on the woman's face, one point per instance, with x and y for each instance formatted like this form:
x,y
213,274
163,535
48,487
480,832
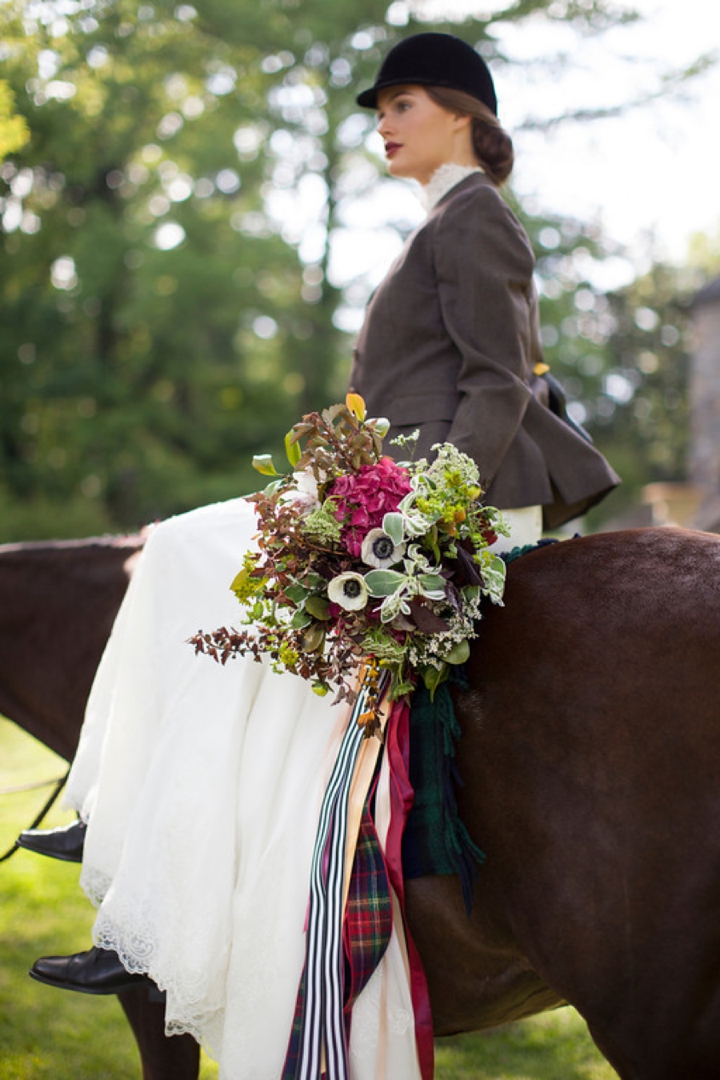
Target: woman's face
x,y
420,135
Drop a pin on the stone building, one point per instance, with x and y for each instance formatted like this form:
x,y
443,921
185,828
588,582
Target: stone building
x,y
704,463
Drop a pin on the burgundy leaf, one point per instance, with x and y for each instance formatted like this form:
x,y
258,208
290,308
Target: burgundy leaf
x,y
426,620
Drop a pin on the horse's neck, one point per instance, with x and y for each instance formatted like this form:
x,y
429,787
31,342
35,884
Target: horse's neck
x,y
57,605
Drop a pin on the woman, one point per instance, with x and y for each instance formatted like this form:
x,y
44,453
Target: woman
x,y
450,342
201,785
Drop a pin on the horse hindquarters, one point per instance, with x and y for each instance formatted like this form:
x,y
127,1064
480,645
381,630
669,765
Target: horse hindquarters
x,y
591,760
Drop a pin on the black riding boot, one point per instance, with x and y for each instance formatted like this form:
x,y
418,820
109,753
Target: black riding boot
x,y
66,842
97,971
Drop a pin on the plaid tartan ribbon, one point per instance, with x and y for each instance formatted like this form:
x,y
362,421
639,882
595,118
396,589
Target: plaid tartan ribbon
x,y
368,915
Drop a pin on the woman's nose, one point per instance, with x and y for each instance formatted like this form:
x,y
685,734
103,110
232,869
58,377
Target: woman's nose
x,y
383,127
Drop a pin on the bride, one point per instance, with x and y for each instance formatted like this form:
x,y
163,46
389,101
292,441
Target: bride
x,y
201,786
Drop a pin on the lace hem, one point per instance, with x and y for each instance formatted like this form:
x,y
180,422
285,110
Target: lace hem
x,y
187,1010
95,884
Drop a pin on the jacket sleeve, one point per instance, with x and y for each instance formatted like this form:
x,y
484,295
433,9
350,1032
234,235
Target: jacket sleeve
x,y
484,266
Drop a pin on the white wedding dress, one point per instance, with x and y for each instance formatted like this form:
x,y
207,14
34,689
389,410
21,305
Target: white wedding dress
x,y
202,785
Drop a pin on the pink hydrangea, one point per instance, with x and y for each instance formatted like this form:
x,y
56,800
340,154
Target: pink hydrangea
x,y
364,498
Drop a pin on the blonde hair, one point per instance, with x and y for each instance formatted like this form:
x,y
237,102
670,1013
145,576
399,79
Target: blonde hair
x,y
491,143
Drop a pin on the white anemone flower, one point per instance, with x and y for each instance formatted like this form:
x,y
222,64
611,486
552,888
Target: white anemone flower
x,y
349,591
380,550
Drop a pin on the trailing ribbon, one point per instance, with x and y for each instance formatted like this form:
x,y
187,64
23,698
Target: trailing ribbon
x,y
318,1041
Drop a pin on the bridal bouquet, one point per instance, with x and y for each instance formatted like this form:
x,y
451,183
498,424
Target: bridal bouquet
x,y
363,562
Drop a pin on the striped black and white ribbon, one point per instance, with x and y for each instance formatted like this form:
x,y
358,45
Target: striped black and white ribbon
x,y
323,1026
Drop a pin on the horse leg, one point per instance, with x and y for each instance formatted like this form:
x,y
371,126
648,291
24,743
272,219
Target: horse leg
x,y
652,1041
697,1059
163,1058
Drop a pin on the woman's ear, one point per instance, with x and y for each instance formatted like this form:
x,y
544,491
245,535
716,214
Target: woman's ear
x,y
462,120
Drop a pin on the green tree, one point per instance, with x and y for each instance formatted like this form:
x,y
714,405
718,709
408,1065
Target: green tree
x,y
622,355
168,301
14,131
704,254
142,353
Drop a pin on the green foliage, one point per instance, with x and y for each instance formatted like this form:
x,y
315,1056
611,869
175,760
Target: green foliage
x,y
704,253
548,1047
167,301
649,358
14,131
150,310
622,355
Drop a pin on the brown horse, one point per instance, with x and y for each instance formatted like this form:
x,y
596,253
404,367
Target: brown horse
x,y
58,601
591,760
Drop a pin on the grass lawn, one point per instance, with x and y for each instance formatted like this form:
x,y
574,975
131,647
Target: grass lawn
x,y
46,1034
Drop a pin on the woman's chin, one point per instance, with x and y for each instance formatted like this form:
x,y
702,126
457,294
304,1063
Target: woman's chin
x,y
395,168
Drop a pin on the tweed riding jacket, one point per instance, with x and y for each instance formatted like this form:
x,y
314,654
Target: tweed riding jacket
x,y
449,344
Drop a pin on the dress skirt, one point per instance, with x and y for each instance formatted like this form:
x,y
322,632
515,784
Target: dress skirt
x,y
202,786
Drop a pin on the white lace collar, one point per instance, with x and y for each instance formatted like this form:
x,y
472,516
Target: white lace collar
x,y
443,180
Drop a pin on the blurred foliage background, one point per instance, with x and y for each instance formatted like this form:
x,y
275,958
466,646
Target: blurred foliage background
x,y
187,202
